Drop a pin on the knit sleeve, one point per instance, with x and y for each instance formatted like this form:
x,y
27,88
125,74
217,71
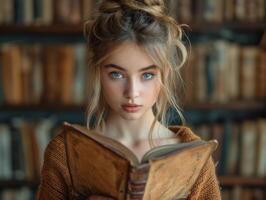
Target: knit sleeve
x,y
206,187
55,178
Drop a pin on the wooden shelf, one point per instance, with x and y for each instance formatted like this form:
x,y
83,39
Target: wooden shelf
x,y
237,105
240,105
18,183
196,113
244,26
72,113
41,29
42,107
224,181
234,180
78,28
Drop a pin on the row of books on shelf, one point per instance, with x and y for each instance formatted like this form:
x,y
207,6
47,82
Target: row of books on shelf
x,y
71,11
222,71
243,193
235,193
22,146
241,151
45,12
218,11
34,74
242,146
23,193
217,72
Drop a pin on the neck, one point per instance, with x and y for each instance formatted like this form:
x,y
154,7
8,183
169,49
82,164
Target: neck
x,y
118,127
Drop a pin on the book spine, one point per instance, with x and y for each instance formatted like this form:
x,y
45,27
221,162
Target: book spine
x,y
18,8
137,182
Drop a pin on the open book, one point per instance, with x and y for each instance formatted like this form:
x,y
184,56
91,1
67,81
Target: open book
x,y
101,165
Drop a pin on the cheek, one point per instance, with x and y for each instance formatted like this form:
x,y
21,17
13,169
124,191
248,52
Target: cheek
x,y
152,90
109,88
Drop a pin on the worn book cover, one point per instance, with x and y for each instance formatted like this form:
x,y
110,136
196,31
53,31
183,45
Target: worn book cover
x,y
101,165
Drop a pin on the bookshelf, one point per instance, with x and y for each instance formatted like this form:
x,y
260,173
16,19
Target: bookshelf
x,y
41,29
256,107
231,181
236,30
224,180
193,113
18,184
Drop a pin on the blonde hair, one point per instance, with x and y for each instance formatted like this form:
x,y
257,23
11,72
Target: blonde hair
x,y
146,23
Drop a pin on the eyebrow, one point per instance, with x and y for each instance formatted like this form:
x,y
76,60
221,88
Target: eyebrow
x,y
122,69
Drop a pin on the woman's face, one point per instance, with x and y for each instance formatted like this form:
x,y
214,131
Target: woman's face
x,y
130,81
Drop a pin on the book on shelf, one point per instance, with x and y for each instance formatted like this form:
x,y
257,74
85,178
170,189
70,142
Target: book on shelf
x,y
1,85
23,193
218,11
185,11
5,153
22,146
30,150
232,63
248,71
260,75
248,148
45,12
10,63
242,147
260,159
171,6
242,193
217,133
219,72
263,39
226,135
229,10
199,80
232,158
58,74
34,74
164,172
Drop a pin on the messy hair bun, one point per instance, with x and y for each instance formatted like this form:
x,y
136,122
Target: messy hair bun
x,y
146,23
154,7
115,17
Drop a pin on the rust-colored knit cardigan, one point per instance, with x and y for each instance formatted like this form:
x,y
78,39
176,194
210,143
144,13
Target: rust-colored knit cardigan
x,y
56,181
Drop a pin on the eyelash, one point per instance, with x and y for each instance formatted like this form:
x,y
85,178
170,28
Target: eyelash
x,y
152,75
115,72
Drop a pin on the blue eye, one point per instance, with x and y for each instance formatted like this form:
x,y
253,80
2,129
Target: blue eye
x,y
116,75
148,76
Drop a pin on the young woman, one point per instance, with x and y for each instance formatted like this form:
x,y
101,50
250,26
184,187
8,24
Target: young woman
x,y
135,56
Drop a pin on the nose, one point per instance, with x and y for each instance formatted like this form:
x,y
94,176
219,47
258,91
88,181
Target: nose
x,y
132,89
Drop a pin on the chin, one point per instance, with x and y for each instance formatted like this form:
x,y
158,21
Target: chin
x,y
131,116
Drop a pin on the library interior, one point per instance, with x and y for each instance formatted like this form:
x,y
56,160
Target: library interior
x,y
43,80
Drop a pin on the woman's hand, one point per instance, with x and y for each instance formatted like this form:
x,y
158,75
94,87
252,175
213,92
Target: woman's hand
x,y
99,197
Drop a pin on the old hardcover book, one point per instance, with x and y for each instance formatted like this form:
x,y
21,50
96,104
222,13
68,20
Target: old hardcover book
x,y
11,61
26,73
101,165
260,169
261,76
65,66
248,148
248,72
49,71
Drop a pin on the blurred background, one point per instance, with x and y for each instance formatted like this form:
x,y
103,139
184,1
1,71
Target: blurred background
x,y
43,82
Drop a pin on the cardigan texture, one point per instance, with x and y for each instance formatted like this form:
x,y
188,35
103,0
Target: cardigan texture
x,y
56,180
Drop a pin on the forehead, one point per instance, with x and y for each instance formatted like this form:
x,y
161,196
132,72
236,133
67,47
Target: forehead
x,y
129,56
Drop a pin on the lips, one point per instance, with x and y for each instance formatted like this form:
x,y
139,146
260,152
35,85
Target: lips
x,y
131,107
